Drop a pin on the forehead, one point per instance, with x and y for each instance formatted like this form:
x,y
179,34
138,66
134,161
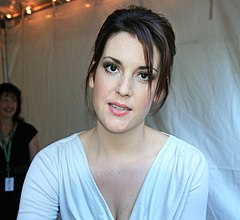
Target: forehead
x,y
125,46
123,43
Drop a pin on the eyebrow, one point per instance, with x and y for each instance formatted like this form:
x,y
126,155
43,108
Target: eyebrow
x,y
114,59
119,63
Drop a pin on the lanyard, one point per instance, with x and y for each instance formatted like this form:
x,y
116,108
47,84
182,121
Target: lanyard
x,y
7,149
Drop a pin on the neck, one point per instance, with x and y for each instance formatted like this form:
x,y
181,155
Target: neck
x,y
6,125
125,144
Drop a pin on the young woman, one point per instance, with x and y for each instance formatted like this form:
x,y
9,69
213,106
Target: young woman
x,y
121,169
19,144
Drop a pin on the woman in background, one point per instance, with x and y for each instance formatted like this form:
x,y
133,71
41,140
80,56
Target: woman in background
x,y
19,144
121,169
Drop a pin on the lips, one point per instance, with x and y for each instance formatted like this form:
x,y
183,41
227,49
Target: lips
x,y
8,110
119,109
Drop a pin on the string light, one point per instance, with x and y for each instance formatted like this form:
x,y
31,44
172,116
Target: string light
x,y
9,16
18,10
28,10
87,5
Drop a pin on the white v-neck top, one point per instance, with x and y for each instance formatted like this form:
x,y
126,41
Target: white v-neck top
x,y
59,179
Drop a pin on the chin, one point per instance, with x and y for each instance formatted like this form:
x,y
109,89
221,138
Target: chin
x,y
116,129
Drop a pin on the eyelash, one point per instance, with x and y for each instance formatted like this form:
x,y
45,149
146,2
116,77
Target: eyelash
x,y
140,75
108,65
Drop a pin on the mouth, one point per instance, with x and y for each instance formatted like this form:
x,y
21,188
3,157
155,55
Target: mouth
x,y
119,109
9,110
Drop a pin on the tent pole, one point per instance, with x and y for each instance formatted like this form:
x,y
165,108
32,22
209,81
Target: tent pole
x,y
4,51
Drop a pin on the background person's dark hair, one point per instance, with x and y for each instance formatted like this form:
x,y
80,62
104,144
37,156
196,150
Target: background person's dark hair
x,y
9,88
151,29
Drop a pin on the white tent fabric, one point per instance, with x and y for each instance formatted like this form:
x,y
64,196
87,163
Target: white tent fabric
x,y
49,51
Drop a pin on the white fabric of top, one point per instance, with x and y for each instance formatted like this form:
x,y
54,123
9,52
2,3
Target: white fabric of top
x,y
176,186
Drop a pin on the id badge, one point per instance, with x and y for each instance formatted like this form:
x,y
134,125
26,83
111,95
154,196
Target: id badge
x,y
9,184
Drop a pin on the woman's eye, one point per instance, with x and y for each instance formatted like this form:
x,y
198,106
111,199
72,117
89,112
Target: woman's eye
x,y
8,100
111,68
144,76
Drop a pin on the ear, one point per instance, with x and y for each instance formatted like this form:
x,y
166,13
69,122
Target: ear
x,y
91,78
91,81
157,98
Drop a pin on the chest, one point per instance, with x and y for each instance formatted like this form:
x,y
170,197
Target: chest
x,y
19,150
120,185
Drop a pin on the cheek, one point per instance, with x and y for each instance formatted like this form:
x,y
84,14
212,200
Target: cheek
x,y
101,88
102,83
144,99
98,86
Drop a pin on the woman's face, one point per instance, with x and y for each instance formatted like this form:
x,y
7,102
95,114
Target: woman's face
x,y
8,105
121,95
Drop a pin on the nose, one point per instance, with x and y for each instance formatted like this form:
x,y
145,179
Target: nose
x,y
10,103
124,86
